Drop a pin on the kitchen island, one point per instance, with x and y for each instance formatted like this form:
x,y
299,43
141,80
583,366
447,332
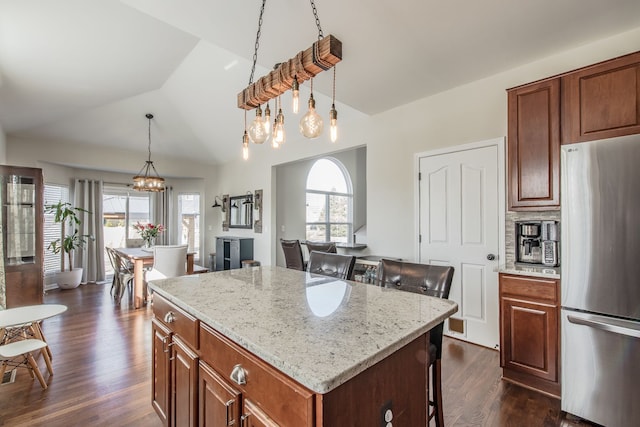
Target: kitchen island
x,y
274,346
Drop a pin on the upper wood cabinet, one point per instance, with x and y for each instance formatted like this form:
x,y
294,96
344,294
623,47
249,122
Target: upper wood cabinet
x,y
602,101
534,146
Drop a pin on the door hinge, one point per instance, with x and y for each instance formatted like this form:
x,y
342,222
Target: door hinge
x,y
419,238
419,176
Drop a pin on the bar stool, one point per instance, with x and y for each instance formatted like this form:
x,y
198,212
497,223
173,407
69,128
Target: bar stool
x,y
431,280
14,350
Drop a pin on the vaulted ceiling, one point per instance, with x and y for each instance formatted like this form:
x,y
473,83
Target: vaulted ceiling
x,y
87,71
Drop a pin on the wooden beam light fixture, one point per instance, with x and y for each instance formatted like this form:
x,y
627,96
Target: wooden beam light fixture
x,y
322,55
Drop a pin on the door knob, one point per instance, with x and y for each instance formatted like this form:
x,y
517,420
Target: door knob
x,y
491,257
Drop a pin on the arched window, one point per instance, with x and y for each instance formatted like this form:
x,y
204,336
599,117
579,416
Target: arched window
x,y
329,202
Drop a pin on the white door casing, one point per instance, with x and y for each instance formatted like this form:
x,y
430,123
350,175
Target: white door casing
x,y
461,223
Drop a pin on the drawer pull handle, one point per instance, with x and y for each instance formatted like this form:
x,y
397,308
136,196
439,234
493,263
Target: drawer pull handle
x,y
239,375
169,317
229,406
244,420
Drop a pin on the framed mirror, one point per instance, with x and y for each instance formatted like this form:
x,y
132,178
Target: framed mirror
x,y
241,211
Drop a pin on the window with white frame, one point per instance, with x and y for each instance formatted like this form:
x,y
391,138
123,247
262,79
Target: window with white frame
x,y
53,193
189,217
329,202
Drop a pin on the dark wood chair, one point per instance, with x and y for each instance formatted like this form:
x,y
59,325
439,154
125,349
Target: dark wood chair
x,y
328,247
431,280
333,265
292,254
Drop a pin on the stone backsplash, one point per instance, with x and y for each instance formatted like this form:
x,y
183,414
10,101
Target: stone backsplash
x,y
510,228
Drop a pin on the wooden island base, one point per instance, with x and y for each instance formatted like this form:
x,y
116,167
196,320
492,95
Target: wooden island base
x,y
197,374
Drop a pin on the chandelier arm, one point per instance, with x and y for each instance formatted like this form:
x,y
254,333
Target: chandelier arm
x,y
257,44
315,14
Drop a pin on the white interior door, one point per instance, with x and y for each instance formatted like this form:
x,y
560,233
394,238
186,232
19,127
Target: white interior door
x,y
460,195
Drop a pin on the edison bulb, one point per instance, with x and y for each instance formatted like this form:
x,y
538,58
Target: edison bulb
x,y
333,123
257,130
245,146
295,91
267,120
279,134
311,123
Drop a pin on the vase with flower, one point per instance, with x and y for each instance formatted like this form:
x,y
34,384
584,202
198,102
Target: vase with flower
x,y
148,232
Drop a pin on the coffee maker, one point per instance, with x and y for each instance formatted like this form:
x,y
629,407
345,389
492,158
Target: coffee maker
x,y
538,242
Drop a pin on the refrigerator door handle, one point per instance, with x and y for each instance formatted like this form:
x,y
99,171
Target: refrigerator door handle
x,y
599,322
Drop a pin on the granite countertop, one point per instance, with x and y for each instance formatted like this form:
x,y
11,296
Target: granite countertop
x,y
318,330
530,270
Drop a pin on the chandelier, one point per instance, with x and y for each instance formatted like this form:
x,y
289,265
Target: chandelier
x,y
148,178
321,56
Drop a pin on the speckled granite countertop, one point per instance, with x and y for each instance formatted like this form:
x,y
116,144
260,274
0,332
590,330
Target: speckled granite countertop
x,y
530,270
317,330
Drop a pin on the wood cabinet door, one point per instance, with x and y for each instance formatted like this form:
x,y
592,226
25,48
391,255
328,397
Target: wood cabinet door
x,y
253,416
602,101
160,371
184,381
534,146
219,401
530,338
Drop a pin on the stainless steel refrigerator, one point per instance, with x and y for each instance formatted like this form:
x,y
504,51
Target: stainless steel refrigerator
x,y
600,261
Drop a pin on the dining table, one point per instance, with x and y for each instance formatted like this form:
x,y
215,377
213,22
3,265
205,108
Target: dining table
x,y
141,258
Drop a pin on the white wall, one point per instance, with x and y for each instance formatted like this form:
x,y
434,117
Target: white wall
x,y
473,112
3,147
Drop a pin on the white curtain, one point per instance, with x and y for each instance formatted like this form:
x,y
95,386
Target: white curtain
x,y
162,214
88,196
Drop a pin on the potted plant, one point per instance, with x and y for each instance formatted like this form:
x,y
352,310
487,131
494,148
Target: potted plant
x,y
67,216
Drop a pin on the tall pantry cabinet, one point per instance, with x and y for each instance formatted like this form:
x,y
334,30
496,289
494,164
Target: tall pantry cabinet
x,y
21,194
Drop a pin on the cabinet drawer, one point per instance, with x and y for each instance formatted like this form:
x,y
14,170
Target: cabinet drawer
x,y
529,287
285,401
180,322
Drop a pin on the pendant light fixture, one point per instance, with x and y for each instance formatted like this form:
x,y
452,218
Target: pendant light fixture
x,y
279,134
245,140
148,178
257,131
311,123
324,54
333,113
295,95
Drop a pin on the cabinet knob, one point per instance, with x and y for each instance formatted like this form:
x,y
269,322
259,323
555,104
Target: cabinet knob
x,y
239,375
169,317
491,257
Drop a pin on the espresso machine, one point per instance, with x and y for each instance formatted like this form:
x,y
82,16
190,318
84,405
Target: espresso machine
x,y
538,242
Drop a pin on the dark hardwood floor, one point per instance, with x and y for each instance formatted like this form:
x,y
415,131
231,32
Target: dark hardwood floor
x,y
101,360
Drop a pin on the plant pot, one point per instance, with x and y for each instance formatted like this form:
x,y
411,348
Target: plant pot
x,y
69,279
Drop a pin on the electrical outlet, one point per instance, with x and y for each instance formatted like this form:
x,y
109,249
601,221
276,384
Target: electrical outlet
x,y
386,414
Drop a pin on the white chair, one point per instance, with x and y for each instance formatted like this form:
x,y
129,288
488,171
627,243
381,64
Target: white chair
x,y
168,261
18,354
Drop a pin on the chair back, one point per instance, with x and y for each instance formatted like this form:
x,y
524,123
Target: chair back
x,y
431,280
292,254
328,247
333,265
169,260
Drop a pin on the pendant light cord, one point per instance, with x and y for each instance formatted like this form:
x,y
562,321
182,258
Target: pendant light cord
x,y
149,117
